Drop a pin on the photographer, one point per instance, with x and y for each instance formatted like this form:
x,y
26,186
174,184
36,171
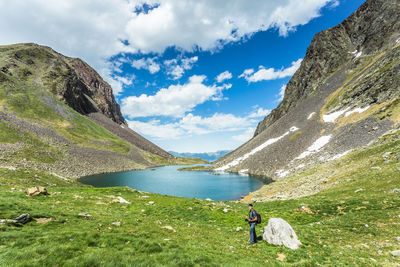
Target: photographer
x,y
252,220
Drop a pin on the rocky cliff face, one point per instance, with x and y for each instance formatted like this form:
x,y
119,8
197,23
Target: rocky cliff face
x,y
374,27
344,96
87,92
58,114
75,81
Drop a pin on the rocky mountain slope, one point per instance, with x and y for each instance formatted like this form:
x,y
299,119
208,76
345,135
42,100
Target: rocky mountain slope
x,y
343,97
58,114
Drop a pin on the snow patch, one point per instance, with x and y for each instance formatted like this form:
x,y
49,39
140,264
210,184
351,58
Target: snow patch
x,y
359,110
300,166
316,146
310,116
341,155
255,150
356,54
333,116
244,172
282,173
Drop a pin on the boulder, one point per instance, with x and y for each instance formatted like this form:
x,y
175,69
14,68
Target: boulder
x,y
278,232
36,190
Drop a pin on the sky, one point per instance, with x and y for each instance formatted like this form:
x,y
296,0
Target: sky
x,y
191,76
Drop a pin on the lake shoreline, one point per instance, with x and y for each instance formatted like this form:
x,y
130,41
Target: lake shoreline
x,y
167,180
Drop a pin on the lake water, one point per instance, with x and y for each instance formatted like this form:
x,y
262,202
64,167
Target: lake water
x,y
168,180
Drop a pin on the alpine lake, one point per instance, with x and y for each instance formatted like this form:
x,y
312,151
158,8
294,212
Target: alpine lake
x,y
168,180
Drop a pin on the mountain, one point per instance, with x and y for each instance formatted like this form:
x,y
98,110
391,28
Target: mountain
x,y
58,114
344,96
209,156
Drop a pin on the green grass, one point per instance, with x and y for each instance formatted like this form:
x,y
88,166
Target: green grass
x,y
333,234
8,134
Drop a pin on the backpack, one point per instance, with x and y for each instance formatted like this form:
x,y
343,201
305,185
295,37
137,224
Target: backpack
x,y
258,217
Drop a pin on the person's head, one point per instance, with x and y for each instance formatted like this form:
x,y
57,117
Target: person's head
x,y
250,206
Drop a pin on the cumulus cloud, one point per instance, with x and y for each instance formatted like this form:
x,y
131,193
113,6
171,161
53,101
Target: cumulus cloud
x,y
191,125
245,136
207,24
117,83
173,101
259,112
226,75
95,32
177,67
282,92
147,64
270,74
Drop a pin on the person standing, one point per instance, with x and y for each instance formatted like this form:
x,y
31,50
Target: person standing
x,y
252,220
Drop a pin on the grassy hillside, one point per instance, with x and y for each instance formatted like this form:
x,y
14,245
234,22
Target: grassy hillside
x,y
40,130
354,222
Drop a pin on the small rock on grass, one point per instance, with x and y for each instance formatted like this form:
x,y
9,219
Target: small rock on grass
x,y
43,220
85,215
36,190
23,218
169,228
395,253
396,190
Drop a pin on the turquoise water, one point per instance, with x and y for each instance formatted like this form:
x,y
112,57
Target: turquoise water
x,y
168,180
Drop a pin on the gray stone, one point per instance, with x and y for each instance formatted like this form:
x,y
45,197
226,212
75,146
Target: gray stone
x,y
36,190
387,154
85,215
23,218
279,232
395,253
396,190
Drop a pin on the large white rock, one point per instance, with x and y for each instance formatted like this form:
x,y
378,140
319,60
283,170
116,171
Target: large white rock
x,y
279,232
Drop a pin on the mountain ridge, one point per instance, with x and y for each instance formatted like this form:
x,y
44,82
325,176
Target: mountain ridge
x,y
344,96
58,114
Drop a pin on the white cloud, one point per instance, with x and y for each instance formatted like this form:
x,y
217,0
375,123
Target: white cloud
x,y
245,136
191,125
270,74
226,75
117,83
177,67
147,64
246,73
207,24
282,92
260,112
95,31
173,101
155,129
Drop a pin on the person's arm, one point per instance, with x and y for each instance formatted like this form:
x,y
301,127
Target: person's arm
x,y
254,219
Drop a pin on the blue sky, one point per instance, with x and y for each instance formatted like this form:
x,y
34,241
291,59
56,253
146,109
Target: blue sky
x,y
191,76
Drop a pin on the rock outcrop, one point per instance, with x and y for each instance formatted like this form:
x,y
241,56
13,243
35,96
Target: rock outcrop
x,y
36,190
278,232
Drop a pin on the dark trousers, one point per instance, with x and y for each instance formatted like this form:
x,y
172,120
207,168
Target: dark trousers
x,y
253,235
